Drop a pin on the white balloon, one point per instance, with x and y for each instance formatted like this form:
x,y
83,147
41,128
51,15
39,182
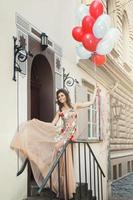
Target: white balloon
x,y
82,52
113,35
104,47
82,12
102,25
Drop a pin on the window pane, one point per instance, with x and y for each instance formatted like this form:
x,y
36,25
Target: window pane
x,y
132,165
89,117
114,172
93,119
89,130
94,115
120,169
128,166
94,132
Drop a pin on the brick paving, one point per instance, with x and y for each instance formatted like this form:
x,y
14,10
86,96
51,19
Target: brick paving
x,y
123,188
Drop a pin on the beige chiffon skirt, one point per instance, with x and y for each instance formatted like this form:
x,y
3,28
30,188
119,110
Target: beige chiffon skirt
x,y
36,141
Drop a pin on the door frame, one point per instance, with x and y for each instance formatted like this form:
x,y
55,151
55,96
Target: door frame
x,y
35,49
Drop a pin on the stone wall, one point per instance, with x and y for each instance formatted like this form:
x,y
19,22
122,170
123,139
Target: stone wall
x,y
122,125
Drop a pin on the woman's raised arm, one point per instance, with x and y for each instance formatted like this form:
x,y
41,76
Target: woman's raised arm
x,y
87,103
56,118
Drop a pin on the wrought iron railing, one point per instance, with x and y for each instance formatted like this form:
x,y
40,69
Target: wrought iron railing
x,y
87,169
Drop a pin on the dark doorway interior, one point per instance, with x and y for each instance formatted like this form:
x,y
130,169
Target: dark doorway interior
x,y
41,89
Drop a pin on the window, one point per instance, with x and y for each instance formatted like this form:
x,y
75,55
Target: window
x,y
128,166
132,165
93,119
88,118
114,172
120,169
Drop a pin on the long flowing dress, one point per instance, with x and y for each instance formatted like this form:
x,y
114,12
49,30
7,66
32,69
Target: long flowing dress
x,y
41,141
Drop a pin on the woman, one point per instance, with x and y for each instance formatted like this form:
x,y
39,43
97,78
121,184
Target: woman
x,y
40,142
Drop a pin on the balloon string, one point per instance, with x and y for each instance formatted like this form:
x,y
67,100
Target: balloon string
x,y
95,73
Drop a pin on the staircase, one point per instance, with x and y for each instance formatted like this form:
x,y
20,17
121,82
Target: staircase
x,y
47,194
89,175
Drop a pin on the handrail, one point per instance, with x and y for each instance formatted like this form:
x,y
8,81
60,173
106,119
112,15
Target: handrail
x,y
60,155
53,166
96,160
84,141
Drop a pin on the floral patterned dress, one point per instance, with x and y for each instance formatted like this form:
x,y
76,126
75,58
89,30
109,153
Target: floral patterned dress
x,y
68,126
37,140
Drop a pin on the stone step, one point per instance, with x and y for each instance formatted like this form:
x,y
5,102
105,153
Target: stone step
x,y
82,193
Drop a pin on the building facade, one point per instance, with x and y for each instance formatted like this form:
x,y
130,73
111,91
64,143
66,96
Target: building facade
x,y
110,135
121,142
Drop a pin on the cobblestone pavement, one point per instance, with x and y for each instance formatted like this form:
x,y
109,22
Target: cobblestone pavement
x,y
123,188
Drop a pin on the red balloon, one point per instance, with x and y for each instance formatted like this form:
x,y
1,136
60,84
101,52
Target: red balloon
x,y
90,42
98,59
87,24
77,33
96,9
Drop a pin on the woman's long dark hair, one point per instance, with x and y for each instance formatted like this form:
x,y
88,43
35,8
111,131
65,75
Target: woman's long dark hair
x,y
68,100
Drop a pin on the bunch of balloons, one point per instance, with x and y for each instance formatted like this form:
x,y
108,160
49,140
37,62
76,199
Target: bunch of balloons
x,y
95,34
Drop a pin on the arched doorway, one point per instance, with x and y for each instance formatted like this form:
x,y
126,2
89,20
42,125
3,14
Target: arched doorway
x,y
42,94
40,82
40,88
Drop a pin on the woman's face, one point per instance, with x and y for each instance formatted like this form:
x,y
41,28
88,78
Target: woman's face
x,y
61,97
